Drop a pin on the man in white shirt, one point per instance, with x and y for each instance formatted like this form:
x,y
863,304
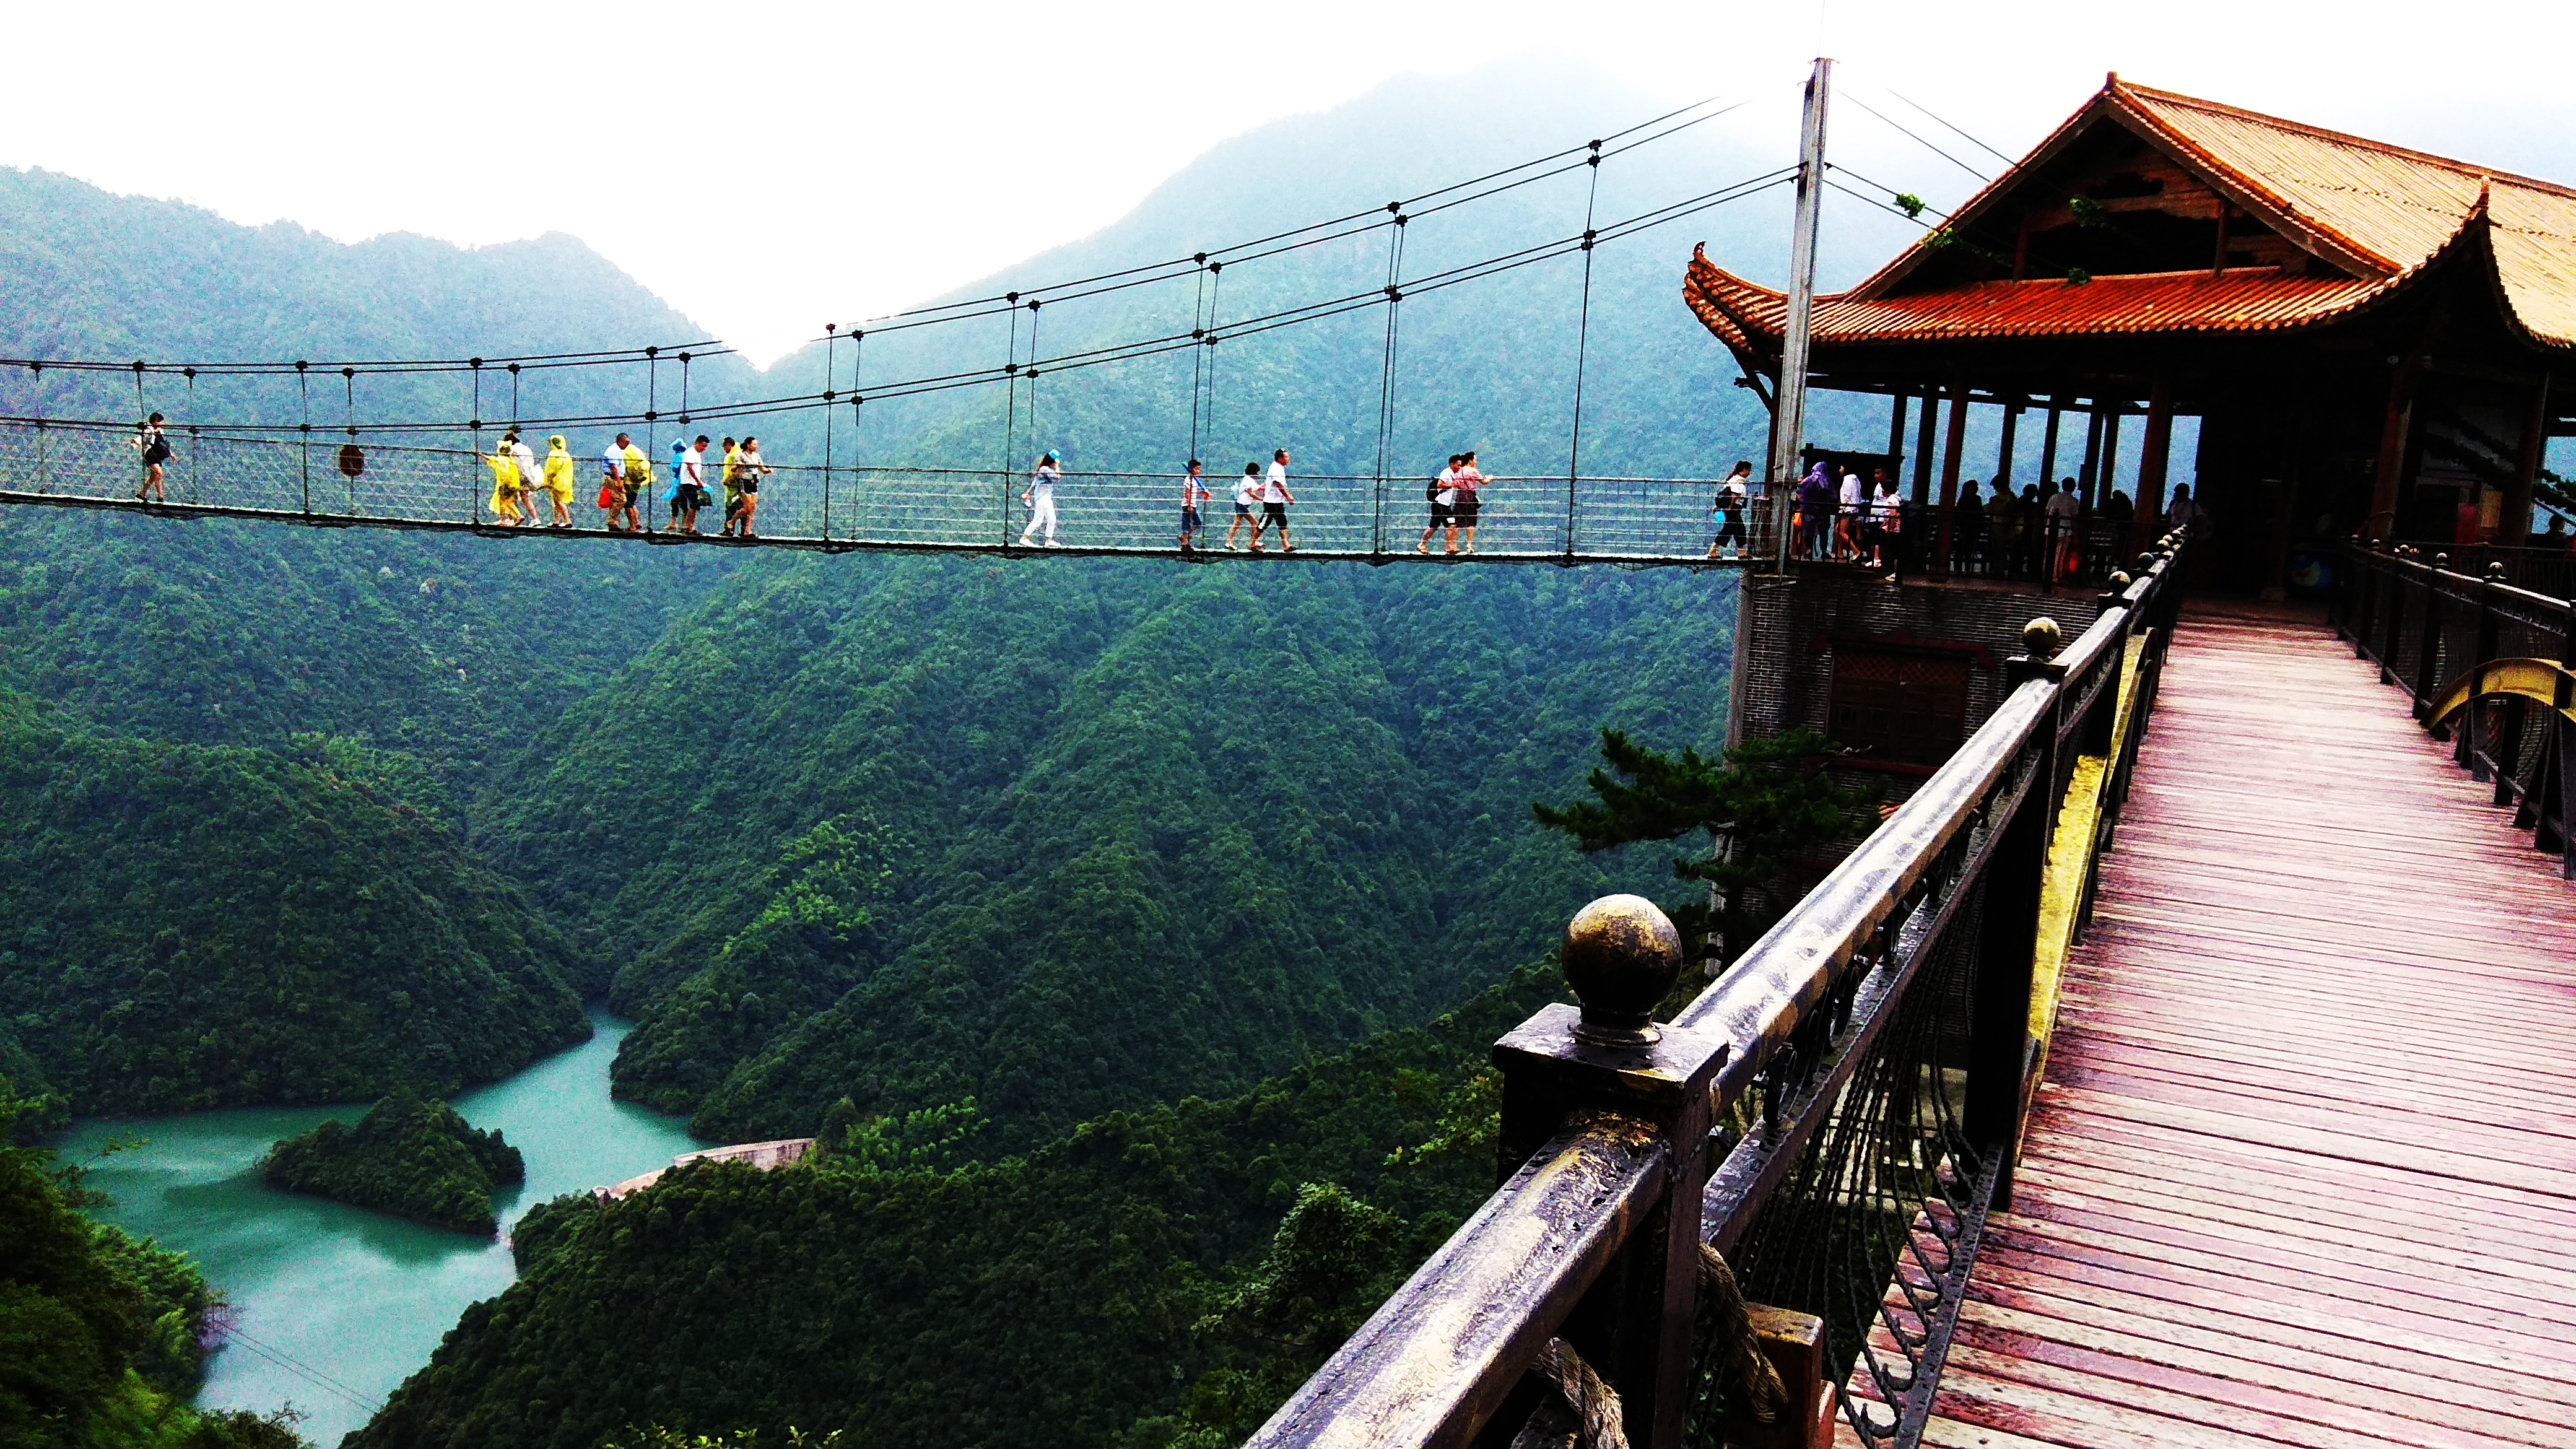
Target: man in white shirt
x,y
612,471
2058,516
1275,499
1443,497
1851,506
693,484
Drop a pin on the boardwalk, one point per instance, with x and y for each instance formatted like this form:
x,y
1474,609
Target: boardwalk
x,y
2303,1168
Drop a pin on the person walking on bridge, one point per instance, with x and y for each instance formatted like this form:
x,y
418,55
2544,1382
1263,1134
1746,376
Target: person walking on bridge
x,y
1728,510
524,458
612,484
1442,494
1194,492
693,479
1247,503
152,441
558,478
506,483
1275,499
748,471
1039,499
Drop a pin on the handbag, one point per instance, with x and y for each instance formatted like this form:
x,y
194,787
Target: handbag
x,y
611,496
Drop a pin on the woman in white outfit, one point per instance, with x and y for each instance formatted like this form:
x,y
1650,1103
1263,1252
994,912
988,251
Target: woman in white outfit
x,y
1040,499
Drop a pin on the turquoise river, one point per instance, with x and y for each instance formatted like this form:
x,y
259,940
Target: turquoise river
x,y
333,1306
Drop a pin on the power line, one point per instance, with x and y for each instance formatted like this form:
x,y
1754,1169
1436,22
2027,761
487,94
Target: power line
x,y
1918,140
1989,150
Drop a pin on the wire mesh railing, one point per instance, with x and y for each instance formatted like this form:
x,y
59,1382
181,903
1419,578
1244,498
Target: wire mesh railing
x,y
2486,664
326,479
1824,1129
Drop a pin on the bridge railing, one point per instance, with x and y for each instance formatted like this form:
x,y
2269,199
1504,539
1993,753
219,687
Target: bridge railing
x,y
1822,1130
2485,664
325,477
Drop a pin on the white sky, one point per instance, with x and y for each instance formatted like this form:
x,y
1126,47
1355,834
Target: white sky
x,y
764,166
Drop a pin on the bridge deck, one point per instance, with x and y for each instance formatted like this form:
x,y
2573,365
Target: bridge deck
x,y
2303,1167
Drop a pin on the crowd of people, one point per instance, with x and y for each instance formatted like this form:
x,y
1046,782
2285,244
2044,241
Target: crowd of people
x,y
522,484
2040,531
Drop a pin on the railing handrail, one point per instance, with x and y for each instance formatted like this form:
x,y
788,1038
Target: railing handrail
x,y
1444,1352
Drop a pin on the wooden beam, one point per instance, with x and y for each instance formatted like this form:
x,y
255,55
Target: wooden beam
x,y
2090,478
1895,437
2004,450
2048,444
1950,468
2110,481
2152,451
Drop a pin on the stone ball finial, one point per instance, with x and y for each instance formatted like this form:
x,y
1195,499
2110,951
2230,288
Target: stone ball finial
x,y
2495,570
1621,956
2040,638
2441,560
2146,561
2120,580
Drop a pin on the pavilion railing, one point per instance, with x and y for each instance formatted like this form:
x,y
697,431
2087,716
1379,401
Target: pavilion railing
x,y
2485,664
1822,1130
2018,546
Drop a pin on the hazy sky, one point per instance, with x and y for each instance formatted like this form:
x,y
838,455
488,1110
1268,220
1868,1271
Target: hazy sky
x,y
767,166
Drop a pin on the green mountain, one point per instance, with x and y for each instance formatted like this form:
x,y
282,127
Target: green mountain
x,y
1040,1300
1166,833
203,926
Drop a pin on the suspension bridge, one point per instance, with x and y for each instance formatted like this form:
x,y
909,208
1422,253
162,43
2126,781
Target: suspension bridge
x,y
309,443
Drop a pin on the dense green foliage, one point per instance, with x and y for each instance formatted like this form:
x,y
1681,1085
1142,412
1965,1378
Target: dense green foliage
x,y
99,1334
204,926
1082,838
1041,1300
408,1156
1766,807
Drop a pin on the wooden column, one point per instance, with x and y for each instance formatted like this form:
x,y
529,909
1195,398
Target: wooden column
x,y
2152,451
2382,522
2048,443
2088,478
1895,436
1923,446
2004,451
2515,526
1957,440
2111,452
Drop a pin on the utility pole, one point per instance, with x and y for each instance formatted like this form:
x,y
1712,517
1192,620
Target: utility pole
x,y
1789,411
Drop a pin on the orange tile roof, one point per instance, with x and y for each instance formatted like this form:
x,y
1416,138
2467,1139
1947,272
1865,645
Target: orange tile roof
x,y
2381,211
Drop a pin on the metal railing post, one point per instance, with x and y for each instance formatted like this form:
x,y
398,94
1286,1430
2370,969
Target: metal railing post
x,y
1621,956
2392,602
2482,653
1999,1042
2428,658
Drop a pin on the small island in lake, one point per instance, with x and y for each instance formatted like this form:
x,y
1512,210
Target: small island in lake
x,y
409,1156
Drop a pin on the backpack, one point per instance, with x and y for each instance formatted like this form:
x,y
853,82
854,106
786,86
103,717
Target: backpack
x,y
638,471
156,451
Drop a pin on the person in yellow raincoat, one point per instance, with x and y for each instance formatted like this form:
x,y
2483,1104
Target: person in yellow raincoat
x,y
506,486
558,481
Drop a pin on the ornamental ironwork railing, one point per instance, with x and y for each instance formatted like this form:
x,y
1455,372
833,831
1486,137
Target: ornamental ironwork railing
x,y
2485,664
1822,1131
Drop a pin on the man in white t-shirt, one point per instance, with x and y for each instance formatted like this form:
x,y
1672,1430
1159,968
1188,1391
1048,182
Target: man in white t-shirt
x,y
1442,495
2059,517
1247,507
1275,499
1850,507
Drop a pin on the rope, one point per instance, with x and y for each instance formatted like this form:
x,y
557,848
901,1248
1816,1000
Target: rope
x,y
1216,286
1010,417
1747,1377
1033,382
1596,1423
1198,355
304,401
831,337
1386,370
1582,342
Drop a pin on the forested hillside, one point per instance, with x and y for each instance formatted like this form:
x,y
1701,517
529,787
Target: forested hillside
x,y
1076,838
1047,1301
197,926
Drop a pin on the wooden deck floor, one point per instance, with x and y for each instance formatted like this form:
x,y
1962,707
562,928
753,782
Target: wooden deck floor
x,y
2303,1168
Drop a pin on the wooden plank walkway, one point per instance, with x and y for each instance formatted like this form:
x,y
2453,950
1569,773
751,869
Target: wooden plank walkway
x,y
2303,1167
